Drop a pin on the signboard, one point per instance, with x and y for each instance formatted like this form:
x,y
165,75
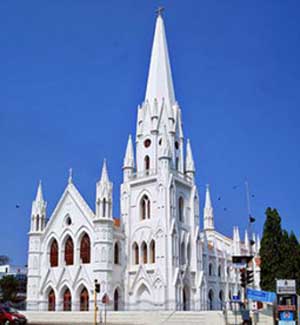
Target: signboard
x,y
105,299
245,259
236,298
286,315
286,287
259,295
286,308
287,322
240,266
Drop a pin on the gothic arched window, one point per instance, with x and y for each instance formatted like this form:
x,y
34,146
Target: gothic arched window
x,y
145,253
210,269
182,253
69,251
135,251
219,271
180,208
145,208
54,254
116,254
147,163
104,208
84,300
152,251
51,301
67,302
85,249
37,222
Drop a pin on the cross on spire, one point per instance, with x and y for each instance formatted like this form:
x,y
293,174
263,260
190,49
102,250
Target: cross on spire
x,y
159,11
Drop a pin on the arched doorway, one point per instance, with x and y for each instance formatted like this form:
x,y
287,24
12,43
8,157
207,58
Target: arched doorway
x,y
221,298
84,300
185,299
210,300
51,301
116,300
67,300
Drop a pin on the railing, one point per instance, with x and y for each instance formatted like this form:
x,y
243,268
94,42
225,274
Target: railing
x,y
153,172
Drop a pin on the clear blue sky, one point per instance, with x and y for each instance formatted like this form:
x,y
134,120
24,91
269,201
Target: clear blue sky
x,y
73,72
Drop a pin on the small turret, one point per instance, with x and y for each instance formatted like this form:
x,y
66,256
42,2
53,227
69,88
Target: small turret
x,y
257,244
38,211
208,211
246,242
189,162
236,241
165,148
104,195
128,165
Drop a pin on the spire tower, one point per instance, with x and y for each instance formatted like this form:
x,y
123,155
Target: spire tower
x,y
160,82
208,211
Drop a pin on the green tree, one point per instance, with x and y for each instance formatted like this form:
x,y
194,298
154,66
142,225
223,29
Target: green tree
x,y
294,259
8,286
285,256
270,251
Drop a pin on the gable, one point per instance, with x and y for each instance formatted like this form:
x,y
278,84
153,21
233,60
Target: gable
x,y
71,205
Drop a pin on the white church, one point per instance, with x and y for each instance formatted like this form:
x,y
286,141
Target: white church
x,y
154,256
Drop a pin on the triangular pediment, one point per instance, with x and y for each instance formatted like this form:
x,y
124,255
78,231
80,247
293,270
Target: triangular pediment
x,y
70,199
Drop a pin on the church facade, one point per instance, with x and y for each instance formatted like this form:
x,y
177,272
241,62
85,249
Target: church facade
x,y
154,256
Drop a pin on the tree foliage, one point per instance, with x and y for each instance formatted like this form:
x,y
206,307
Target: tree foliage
x,y
9,287
279,252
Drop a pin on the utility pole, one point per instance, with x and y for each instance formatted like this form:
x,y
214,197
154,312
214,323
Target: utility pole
x,y
96,290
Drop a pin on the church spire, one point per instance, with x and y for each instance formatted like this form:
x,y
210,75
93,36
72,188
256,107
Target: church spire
x,y
189,163
39,194
160,83
38,211
104,174
129,156
208,211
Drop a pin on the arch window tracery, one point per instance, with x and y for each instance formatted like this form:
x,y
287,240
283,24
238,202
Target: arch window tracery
x,y
145,208
152,251
85,249
54,254
135,251
180,208
116,254
144,253
69,251
67,300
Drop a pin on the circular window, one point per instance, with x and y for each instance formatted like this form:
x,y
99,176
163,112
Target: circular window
x,y
68,221
176,145
147,143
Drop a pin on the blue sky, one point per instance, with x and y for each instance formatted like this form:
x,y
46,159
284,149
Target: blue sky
x,y
73,72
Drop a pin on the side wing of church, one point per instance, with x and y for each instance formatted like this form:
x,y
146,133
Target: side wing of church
x,y
155,256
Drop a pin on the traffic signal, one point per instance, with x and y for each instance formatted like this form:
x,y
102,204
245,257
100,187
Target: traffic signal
x,y
97,286
250,276
243,274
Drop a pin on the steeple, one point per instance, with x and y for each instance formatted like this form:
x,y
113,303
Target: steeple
x,y
208,211
39,194
129,155
38,211
246,241
189,162
236,241
104,195
104,174
160,83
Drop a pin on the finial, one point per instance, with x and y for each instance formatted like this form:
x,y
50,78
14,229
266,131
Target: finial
x,y
70,180
159,11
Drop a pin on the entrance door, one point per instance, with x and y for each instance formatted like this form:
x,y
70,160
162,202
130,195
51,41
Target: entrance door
x,y
185,299
116,300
